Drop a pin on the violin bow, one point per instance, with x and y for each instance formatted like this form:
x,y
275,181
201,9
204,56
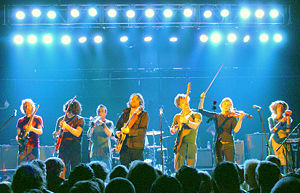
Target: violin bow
x,y
213,79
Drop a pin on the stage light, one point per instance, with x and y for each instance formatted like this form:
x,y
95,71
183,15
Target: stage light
x,y
98,39
75,13
124,39
36,13
259,13
149,13
207,14
51,14
203,38
66,39
112,13
168,13
215,37
274,13
246,38
20,15
264,37
18,39
32,39
47,39
277,37
231,37
173,39
130,13
82,39
148,39
188,12
92,12
245,13
224,13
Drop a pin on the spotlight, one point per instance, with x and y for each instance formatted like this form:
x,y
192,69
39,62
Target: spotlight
x,y
246,38
112,13
124,39
215,37
207,13
264,37
188,12
51,14
32,39
231,37
224,13
92,12
203,38
82,39
259,13
66,39
245,13
47,39
20,15
173,39
148,39
274,13
277,37
75,13
98,39
36,13
130,13
149,13
18,39
168,13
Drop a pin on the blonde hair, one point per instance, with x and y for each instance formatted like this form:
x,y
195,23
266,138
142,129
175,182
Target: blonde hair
x,y
22,107
178,97
226,99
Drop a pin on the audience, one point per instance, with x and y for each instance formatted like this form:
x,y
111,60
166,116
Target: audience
x,y
166,184
5,187
54,167
249,175
119,185
85,186
189,178
266,174
205,185
287,185
118,171
100,169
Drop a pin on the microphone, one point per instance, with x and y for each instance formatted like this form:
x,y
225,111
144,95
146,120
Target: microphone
x,y
256,107
161,110
15,113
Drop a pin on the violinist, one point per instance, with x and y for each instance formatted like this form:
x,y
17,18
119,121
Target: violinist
x,y
279,125
225,122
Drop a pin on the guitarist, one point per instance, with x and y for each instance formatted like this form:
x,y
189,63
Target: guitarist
x,y
70,148
188,122
133,146
100,133
31,151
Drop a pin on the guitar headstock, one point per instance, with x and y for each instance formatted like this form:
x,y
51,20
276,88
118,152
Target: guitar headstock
x,y
188,90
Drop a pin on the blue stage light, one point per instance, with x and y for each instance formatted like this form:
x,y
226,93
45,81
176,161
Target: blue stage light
x,y
36,13
82,39
20,15
32,39
277,37
66,40
203,38
47,39
264,37
98,39
92,12
231,37
246,38
18,39
259,13
112,13
274,13
75,13
149,13
224,13
168,13
207,14
215,37
173,39
245,13
148,39
188,12
130,13
51,14
124,39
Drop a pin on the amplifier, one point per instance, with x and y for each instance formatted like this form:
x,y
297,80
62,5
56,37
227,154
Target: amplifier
x,y
204,158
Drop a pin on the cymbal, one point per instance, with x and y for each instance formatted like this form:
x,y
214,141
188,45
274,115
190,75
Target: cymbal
x,y
153,133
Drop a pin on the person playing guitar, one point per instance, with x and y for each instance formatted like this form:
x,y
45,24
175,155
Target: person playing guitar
x,y
71,128
186,123
135,131
29,128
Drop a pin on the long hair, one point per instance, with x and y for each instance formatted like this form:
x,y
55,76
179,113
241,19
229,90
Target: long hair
x,y
75,107
178,97
273,107
140,97
22,107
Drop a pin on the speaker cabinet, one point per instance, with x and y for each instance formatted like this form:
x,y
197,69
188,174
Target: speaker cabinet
x,y
239,152
8,156
257,146
204,158
46,152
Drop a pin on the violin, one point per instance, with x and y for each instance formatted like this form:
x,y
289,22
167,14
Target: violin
x,y
236,114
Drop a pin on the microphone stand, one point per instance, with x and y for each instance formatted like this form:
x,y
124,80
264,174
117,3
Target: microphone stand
x,y
6,122
264,131
161,140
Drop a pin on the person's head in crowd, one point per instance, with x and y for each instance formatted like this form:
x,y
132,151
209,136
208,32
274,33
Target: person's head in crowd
x,y
274,159
40,164
54,166
86,186
158,172
26,177
287,185
240,170
142,175
205,185
166,184
79,173
118,171
226,177
189,178
5,187
266,174
249,172
100,183
119,185
100,169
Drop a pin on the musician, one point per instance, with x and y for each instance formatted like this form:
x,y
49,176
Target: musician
x,y
31,151
133,146
70,148
279,125
225,123
100,133
188,121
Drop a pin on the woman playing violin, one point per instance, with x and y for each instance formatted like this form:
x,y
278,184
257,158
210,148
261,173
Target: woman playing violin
x,y
279,125
225,122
